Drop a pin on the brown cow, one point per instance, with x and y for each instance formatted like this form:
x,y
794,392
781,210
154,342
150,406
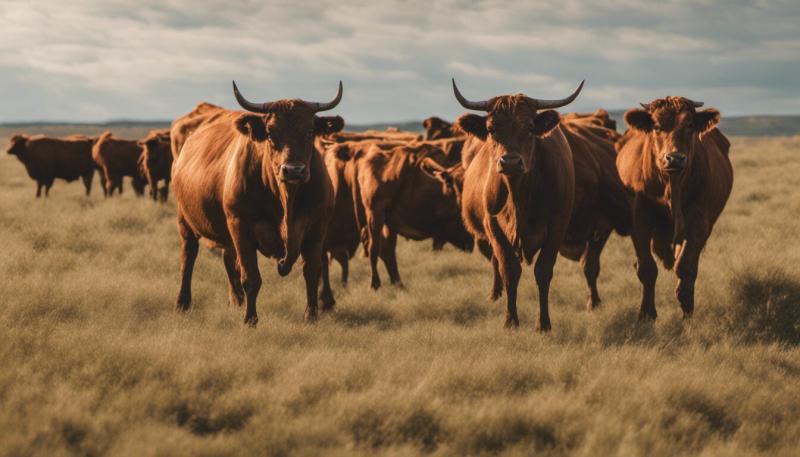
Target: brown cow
x,y
675,161
437,128
390,134
344,234
46,159
155,163
600,118
116,159
601,202
519,188
397,191
185,125
252,182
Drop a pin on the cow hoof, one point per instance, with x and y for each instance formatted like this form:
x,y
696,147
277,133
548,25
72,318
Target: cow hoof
x,y
284,268
543,327
376,284
495,295
235,300
399,284
183,303
310,317
511,323
687,314
251,321
328,302
592,305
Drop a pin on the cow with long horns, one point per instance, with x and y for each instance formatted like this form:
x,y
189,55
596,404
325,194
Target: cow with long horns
x,y
251,182
675,161
518,189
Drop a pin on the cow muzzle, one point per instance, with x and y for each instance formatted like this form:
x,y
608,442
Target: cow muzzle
x,y
675,161
293,173
510,165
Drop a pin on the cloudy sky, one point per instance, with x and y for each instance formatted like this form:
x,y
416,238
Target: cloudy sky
x,y
106,59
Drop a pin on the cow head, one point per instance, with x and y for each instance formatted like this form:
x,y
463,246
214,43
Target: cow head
x,y
436,128
16,145
672,124
511,126
289,128
451,179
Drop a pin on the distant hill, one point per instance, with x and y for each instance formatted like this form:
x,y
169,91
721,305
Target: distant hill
x,y
760,125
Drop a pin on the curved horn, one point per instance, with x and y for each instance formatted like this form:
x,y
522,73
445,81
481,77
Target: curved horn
x,y
478,106
646,106
248,105
694,103
331,104
549,104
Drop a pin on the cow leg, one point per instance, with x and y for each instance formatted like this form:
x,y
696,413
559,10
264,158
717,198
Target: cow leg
x,y
646,268
113,182
154,190
374,227
248,267
509,270
344,261
326,295
389,255
165,191
39,186
497,282
47,187
543,271
138,186
686,270
591,268
235,289
312,253
87,182
189,250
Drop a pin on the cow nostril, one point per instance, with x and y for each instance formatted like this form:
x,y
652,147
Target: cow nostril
x,y
509,160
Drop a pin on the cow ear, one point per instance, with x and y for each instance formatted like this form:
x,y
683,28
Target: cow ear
x,y
705,120
325,125
252,126
639,119
545,122
472,124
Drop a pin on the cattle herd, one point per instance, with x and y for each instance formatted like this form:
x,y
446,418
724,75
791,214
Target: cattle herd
x,y
519,182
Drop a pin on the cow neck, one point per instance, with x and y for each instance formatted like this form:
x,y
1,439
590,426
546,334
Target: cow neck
x,y
287,195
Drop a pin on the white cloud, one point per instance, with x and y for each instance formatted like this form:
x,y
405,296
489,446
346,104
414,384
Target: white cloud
x,y
95,59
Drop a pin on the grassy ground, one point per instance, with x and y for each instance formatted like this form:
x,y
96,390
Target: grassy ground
x,y
95,362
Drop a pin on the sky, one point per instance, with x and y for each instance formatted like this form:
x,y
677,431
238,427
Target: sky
x,y
96,60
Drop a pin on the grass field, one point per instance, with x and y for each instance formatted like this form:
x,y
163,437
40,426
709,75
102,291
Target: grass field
x,y
96,362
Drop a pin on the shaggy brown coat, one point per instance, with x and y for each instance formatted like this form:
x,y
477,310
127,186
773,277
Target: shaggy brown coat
x,y
185,125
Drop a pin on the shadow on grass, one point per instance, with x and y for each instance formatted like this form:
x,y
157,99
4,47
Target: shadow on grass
x,y
418,427
765,306
378,317
624,327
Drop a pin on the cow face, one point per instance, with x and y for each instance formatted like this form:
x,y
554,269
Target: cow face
x,y
436,128
289,128
290,132
672,124
16,146
510,130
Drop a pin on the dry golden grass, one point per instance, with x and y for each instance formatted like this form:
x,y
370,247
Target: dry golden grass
x,y
96,362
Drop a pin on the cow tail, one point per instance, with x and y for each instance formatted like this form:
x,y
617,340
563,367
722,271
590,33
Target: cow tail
x,y
358,208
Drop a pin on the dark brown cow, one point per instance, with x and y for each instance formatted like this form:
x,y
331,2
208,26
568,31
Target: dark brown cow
x,y
437,128
185,125
397,191
252,182
46,159
675,161
155,163
518,188
116,159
